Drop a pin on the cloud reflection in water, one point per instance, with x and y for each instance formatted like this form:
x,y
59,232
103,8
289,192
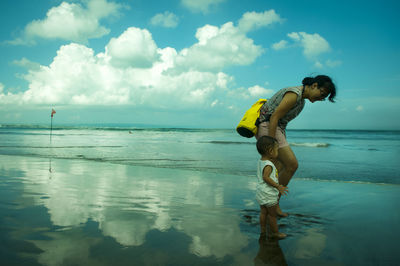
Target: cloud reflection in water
x,y
128,202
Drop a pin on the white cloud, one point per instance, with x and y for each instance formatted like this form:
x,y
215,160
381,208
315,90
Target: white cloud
x,y
24,62
333,63
70,21
258,91
214,103
132,70
202,6
133,48
280,45
253,20
1,87
102,9
251,92
318,64
219,47
313,44
294,36
360,108
79,77
328,63
166,19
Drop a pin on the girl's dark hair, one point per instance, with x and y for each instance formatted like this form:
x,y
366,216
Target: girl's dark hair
x,y
322,81
265,143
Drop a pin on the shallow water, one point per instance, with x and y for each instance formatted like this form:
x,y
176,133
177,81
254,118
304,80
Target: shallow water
x,y
98,213
360,156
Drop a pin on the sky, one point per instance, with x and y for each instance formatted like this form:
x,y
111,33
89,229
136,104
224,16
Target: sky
x,y
196,63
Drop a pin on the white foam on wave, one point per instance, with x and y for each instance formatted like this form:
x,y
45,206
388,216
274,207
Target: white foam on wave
x,y
346,181
310,144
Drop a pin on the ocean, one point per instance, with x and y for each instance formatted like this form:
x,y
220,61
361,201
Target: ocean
x,y
118,195
331,155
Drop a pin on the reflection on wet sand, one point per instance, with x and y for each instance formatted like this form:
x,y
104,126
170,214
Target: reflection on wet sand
x,y
310,245
307,250
70,247
126,203
95,213
269,253
305,230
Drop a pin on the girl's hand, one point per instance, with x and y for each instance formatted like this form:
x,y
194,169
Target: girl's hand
x,y
283,190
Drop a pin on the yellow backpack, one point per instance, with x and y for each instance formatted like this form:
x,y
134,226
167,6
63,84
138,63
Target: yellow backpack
x,y
247,126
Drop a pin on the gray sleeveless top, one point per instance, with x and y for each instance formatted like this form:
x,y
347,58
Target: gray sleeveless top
x,y
269,107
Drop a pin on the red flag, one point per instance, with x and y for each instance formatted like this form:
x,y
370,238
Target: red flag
x,y
53,112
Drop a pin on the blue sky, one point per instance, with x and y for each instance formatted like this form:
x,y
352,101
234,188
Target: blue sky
x,y
196,63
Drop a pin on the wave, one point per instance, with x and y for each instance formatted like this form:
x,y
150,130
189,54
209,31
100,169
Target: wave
x,y
311,144
195,165
306,144
228,142
346,181
59,147
343,131
132,128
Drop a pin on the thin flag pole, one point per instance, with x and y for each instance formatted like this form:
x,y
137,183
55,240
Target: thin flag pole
x,y
51,123
51,128
51,132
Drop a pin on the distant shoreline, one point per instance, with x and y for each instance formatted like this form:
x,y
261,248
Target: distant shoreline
x,y
149,126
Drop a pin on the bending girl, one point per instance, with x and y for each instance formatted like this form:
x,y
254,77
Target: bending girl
x,y
283,107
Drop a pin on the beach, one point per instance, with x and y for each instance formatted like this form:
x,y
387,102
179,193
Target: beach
x,y
87,212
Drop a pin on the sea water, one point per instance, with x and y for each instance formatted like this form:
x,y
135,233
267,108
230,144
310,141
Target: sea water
x,y
342,155
122,195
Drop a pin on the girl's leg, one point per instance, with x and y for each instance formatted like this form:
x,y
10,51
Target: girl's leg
x,y
272,213
287,168
263,219
272,218
289,165
279,210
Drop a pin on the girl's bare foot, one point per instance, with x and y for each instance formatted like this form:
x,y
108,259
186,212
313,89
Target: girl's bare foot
x,y
280,213
279,235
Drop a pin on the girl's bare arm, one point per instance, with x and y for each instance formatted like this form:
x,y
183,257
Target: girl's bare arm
x,y
287,103
266,173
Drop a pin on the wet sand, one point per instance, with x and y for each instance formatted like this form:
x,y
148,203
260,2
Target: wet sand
x,y
96,213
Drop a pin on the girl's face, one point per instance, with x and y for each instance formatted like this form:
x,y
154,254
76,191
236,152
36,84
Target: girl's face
x,y
274,151
317,94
